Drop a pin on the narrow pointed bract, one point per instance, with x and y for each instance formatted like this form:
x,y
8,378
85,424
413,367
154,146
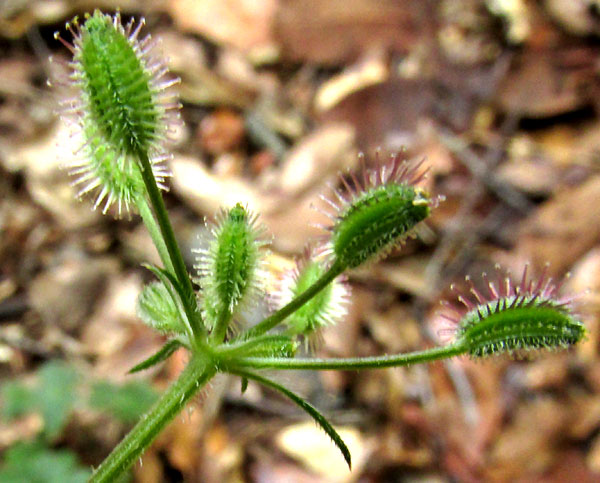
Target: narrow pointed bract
x,y
326,308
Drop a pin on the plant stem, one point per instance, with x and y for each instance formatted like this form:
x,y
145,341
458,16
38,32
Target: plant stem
x,y
353,363
193,377
229,350
160,211
155,233
220,330
274,319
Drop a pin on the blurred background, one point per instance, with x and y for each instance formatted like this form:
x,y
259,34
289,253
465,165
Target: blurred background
x,y
501,99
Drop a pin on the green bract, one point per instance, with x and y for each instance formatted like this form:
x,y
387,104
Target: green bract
x,y
265,346
157,309
323,309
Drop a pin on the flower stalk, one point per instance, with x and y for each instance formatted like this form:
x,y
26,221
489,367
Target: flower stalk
x,y
353,363
154,230
336,269
196,374
188,296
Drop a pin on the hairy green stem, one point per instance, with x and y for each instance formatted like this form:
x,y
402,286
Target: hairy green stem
x,y
220,329
353,363
155,233
274,319
162,217
231,349
194,376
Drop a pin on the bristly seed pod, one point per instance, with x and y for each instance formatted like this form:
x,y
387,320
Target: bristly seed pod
x,y
230,268
515,317
325,308
122,109
378,212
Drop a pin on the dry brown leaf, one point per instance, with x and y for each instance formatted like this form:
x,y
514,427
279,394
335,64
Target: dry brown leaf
x,y
319,155
221,131
537,86
207,193
181,439
83,279
547,373
585,412
386,115
562,229
534,178
287,205
370,70
407,275
394,449
149,469
572,466
521,451
575,16
114,333
585,281
593,458
243,24
337,30
41,160
395,330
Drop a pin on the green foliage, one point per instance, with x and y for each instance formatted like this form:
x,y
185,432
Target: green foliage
x,y
35,463
53,396
127,402
323,309
161,355
57,395
17,400
57,390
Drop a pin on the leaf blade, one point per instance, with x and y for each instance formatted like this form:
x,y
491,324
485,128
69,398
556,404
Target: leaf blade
x,y
307,407
161,355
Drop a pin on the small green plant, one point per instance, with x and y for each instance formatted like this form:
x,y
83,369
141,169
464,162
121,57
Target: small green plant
x,y
122,116
35,462
56,391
